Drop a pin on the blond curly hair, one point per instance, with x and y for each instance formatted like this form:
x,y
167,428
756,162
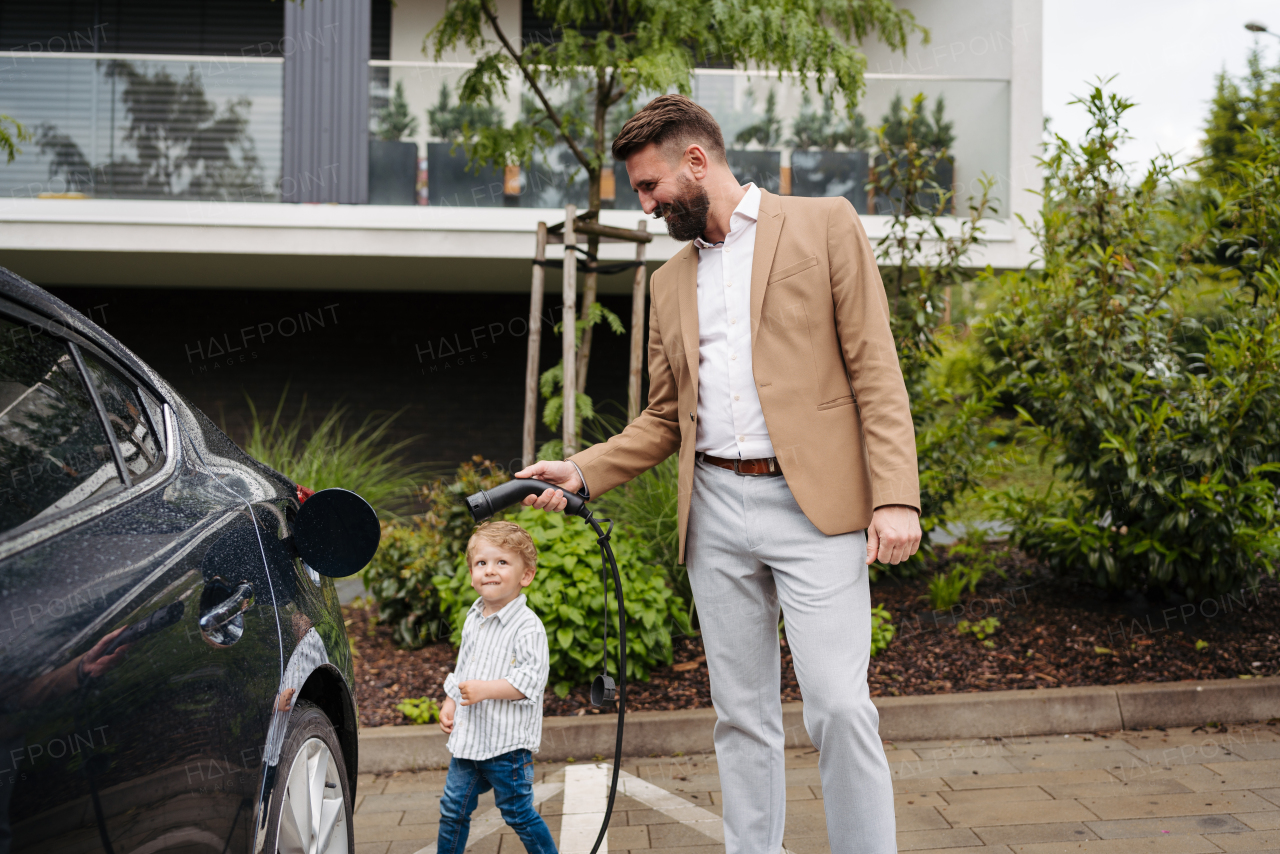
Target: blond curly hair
x,y
507,535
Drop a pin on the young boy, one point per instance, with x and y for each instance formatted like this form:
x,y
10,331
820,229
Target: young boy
x,y
493,712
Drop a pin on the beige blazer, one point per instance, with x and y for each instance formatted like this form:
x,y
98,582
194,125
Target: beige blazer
x,y
824,363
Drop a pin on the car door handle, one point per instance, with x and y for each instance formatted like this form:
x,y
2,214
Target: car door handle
x,y
226,611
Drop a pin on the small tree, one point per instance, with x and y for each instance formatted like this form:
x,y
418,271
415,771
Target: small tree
x,y
921,258
636,47
394,121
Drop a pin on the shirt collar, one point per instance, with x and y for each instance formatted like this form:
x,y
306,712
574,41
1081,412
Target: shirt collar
x,y
748,208
503,614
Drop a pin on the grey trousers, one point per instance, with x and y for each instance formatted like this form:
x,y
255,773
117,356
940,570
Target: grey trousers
x,y
750,550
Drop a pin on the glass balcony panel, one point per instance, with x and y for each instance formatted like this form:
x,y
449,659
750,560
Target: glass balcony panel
x,y
777,136
116,126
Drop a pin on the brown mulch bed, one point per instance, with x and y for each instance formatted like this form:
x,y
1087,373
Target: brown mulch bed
x,y
1052,633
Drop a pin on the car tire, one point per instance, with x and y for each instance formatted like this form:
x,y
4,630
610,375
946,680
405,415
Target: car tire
x,y
310,753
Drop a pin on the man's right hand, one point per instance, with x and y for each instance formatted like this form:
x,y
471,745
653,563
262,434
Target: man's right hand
x,y
562,474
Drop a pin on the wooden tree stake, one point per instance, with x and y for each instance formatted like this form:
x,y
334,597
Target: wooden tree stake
x,y
535,345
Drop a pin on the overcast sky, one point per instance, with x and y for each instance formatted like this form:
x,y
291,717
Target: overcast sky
x,y
1166,54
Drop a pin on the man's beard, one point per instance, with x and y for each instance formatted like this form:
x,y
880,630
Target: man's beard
x,y
686,216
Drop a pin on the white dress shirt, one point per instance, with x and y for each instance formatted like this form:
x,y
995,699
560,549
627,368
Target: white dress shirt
x,y
730,420
510,644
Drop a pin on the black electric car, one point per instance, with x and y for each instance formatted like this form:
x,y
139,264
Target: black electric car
x,y
174,676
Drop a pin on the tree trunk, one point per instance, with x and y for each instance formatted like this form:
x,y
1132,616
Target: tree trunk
x,y
593,211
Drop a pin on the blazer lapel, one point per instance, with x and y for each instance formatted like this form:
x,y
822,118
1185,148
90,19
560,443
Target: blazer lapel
x,y
687,291
768,229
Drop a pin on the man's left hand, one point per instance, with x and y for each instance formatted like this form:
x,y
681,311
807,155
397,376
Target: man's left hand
x,y
894,534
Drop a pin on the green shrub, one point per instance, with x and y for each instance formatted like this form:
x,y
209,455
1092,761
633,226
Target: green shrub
x,y
362,459
414,551
1174,455
649,506
420,710
568,595
882,631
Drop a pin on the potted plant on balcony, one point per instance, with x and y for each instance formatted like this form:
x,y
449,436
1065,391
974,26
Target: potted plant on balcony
x,y
393,163
906,130
762,166
452,179
829,153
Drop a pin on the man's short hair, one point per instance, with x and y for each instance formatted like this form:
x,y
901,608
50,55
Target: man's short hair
x,y
507,535
673,123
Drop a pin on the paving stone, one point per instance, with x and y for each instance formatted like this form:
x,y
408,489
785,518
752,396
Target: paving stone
x,y
1252,841
918,818
1067,746
1264,766
677,835
1066,831
980,796
1272,795
711,848
412,846
1187,754
918,840
918,799
431,816
947,768
919,784
1261,820
1151,845
628,838
806,824
372,847
799,793
401,802
1116,788
391,833
1256,752
897,754
1119,760
376,819
1163,772
1194,803
421,781
369,784
968,849
1203,824
802,777
1029,778
1017,812
1221,783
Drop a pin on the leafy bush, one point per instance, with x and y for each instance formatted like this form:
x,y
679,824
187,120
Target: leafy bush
x,y
361,460
420,710
648,505
921,258
1175,454
568,595
413,552
882,631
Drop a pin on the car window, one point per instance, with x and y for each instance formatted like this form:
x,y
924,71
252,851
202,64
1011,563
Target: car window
x,y
142,452
54,452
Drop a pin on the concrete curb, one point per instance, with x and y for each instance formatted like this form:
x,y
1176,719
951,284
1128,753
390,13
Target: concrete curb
x,y
941,716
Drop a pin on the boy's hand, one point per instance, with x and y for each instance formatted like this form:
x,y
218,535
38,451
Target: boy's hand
x,y
446,714
473,691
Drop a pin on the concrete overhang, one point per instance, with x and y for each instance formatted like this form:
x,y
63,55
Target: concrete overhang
x,y
241,245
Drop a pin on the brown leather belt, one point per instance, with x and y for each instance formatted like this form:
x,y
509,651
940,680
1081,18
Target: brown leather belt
x,y
765,465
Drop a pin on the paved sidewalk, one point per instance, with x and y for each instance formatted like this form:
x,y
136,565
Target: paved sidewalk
x,y
1180,791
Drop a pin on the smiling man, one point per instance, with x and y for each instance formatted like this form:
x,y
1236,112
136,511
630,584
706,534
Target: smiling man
x,y
773,372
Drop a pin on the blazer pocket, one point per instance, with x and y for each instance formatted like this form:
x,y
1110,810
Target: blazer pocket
x,y
811,261
839,401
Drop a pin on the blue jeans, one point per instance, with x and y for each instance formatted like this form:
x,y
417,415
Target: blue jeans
x,y
511,778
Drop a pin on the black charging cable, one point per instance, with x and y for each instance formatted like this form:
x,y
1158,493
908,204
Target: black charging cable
x,y
483,505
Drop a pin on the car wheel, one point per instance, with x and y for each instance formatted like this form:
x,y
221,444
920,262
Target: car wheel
x,y
311,802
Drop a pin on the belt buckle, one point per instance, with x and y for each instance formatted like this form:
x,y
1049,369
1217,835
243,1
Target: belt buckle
x,y
737,469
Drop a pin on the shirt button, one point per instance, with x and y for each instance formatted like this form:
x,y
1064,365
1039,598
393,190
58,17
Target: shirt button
x,y
735,397
742,438
734,356
728,284
733,320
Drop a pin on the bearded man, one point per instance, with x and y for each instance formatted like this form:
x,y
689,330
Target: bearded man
x,y
773,372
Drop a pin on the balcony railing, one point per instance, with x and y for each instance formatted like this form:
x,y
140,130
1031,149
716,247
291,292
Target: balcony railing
x,y
779,138
144,126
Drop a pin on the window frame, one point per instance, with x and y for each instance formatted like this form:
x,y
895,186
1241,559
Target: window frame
x,y
22,538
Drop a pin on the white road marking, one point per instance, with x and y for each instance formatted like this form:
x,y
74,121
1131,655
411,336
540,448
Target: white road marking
x,y
586,794
492,820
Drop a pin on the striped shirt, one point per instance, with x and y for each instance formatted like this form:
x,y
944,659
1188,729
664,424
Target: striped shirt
x,y
511,645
